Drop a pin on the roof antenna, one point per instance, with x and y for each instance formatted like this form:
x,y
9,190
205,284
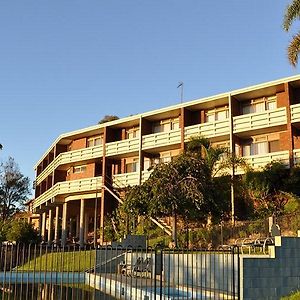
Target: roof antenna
x,y
180,84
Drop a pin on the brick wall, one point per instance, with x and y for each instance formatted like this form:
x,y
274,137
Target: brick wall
x,y
282,99
78,144
284,141
90,172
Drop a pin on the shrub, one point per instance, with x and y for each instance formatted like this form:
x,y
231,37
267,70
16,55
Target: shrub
x,y
22,232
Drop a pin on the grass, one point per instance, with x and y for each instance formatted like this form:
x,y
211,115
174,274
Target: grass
x,y
294,296
61,262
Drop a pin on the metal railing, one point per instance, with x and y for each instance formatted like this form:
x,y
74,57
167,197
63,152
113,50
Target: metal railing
x,y
42,272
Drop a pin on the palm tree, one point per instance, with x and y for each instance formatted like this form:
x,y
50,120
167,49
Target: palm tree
x,y
213,156
292,13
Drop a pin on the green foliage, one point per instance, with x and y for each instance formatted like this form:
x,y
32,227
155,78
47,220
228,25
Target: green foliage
x,y
14,188
268,189
21,232
292,14
108,118
293,296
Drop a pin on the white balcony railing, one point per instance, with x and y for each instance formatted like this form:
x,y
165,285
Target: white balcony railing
x,y
145,175
295,113
260,160
161,139
69,187
70,157
296,156
209,129
126,179
260,120
121,147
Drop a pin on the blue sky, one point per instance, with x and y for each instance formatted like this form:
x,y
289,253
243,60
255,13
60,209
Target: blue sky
x,y
64,64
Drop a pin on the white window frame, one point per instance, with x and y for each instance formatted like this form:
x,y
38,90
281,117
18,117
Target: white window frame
x,y
79,169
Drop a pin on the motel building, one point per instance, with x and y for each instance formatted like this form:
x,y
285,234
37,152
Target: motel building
x,y
80,177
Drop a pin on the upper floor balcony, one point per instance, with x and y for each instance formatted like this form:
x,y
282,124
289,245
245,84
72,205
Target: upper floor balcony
x,y
69,187
123,146
70,157
208,129
260,120
145,175
295,113
296,154
259,161
161,139
125,179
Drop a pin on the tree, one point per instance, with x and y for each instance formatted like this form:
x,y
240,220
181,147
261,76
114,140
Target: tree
x,y
14,188
212,156
108,118
181,188
22,232
268,189
292,13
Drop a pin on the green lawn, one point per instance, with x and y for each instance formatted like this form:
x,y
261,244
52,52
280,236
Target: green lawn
x,y
295,296
67,261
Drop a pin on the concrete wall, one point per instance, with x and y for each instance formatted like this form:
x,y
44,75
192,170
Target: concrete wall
x,y
208,271
271,276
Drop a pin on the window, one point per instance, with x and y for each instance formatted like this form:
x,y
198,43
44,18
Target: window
x,y
259,105
217,114
262,145
132,166
165,157
132,133
79,169
94,141
166,125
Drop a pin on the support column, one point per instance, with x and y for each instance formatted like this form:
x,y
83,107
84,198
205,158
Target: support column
x,y
232,150
64,224
77,226
40,224
56,237
50,227
81,233
44,215
103,191
86,226
289,96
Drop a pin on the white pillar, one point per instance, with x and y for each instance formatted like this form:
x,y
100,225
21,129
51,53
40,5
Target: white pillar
x,y
43,232
50,227
64,224
86,227
81,233
56,224
77,226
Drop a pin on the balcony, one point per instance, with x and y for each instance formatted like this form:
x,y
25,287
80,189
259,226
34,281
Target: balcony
x,y
70,157
296,153
69,187
260,160
126,179
260,120
295,113
145,175
161,139
208,130
121,147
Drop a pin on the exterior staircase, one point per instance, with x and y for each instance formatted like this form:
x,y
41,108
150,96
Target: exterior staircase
x,y
157,221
